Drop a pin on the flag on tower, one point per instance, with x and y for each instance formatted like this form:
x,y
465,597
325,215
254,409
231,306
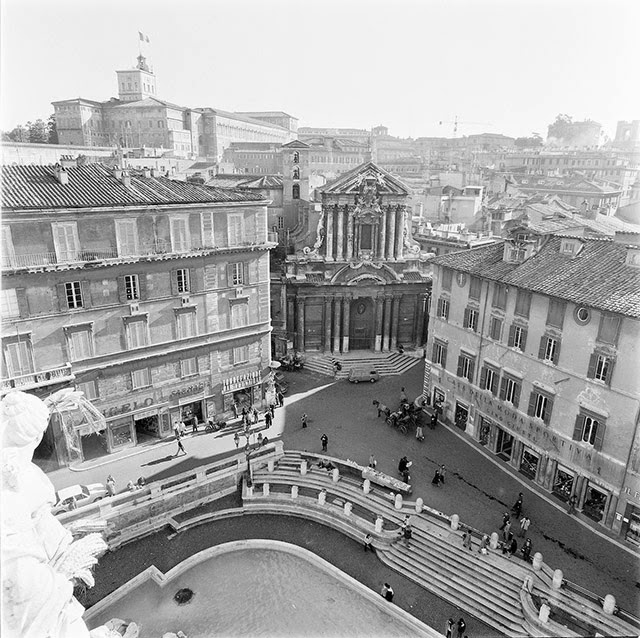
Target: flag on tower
x,y
143,37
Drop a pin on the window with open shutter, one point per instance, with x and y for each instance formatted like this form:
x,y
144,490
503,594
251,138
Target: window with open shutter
x,y
127,237
499,296
609,329
65,241
208,236
523,303
577,428
18,357
599,440
556,312
179,228
460,368
235,229
475,288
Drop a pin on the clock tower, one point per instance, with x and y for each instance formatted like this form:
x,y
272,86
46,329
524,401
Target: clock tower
x,y
138,83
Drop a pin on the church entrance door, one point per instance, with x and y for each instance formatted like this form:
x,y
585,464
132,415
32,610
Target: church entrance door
x,y
361,328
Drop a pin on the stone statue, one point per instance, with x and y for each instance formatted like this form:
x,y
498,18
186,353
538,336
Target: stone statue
x,y
41,561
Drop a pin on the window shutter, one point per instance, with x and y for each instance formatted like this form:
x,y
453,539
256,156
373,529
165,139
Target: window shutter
x,y
494,385
122,292
142,282
503,389
524,340
86,294
64,342
483,378
472,366
195,280
612,363
245,269
516,396
434,352
439,311
446,311
466,317
543,347
460,362
229,275
597,444
532,404
23,306
548,411
62,297
556,352
577,428
444,357
512,336
591,370
174,282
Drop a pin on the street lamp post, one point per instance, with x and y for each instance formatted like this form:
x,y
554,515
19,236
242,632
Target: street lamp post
x,y
247,451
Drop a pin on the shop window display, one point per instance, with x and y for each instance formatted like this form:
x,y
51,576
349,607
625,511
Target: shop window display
x,y
563,485
594,504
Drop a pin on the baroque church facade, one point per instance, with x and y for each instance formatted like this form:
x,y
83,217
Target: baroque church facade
x,y
357,280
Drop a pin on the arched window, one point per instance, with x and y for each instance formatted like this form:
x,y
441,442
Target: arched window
x,y
296,173
296,157
295,191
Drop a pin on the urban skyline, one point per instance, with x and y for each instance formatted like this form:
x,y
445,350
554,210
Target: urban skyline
x,y
493,69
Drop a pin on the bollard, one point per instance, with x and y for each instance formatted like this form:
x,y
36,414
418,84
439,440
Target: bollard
x,y
419,505
537,561
322,497
249,491
543,615
379,522
455,521
609,604
303,467
398,501
558,577
366,486
528,583
493,542
347,509
335,475
271,465
265,489
294,491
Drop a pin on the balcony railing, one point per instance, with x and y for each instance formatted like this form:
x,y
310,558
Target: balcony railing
x,y
37,379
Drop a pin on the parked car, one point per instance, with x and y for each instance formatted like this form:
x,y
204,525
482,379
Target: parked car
x,y
69,498
361,374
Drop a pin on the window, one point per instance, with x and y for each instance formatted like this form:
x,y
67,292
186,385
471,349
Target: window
x,y
296,173
489,377
495,328
510,390
609,328
499,296
366,237
471,319
9,303
601,367
73,291
235,228
236,274
131,287
296,157
137,334
185,324
523,303
65,241
475,287
140,378
7,252
439,353
241,354
517,337
80,343
126,237
295,191
239,315
182,280
540,406
447,278
589,428
18,357
89,389
188,367
443,308
466,366
555,314
549,349
179,234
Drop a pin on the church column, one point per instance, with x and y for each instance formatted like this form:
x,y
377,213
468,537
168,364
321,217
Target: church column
x,y
349,233
329,239
327,324
340,234
300,344
383,234
402,217
336,324
391,239
420,322
379,316
395,321
346,307
387,324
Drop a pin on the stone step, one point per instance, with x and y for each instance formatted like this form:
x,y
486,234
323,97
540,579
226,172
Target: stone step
x,y
387,364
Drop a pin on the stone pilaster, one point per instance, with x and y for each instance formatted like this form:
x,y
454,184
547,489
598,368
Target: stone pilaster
x,y
349,210
391,239
300,341
387,324
383,233
346,312
395,321
340,235
379,317
329,238
327,324
336,324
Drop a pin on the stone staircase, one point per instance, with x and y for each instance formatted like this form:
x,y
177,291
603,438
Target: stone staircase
x,y
489,587
386,364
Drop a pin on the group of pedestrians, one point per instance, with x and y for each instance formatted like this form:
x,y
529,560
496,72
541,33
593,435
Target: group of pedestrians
x,y
509,545
460,627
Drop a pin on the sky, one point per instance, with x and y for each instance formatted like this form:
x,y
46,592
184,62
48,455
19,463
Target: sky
x,y
499,66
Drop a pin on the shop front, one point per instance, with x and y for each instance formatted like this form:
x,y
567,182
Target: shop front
x,y
563,483
631,528
485,430
595,502
529,462
504,444
241,392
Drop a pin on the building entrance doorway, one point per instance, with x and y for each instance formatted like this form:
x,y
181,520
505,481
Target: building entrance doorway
x,y
504,444
361,324
147,427
461,416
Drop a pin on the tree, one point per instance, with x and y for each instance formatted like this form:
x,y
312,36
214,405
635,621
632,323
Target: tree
x,y
561,128
534,141
52,129
18,134
38,132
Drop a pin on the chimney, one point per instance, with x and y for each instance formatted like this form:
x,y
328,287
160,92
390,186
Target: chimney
x,y
61,174
155,172
66,161
126,179
146,172
117,172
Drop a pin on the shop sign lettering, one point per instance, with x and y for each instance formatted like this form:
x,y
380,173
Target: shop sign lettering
x,y
627,491
190,389
127,407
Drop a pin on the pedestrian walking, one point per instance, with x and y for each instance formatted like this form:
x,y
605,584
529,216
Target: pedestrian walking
x,y
268,419
436,477
505,519
513,545
467,539
367,543
462,625
449,628
517,506
176,428
236,439
506,545
372,461
443,471
403,396
236,409
526,550
180,446
194,424
324,439
434,420
484,543
506,532
280,398
387,592
403,464
183,428
303,418
407,532
572,505
525,521
419,432
256,416
111,485
272,409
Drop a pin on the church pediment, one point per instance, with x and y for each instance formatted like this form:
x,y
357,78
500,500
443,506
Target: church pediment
x,y
364,272
365,180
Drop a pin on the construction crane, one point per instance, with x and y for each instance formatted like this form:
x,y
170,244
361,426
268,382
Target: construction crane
x,y
455,123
